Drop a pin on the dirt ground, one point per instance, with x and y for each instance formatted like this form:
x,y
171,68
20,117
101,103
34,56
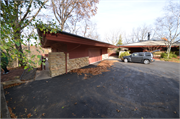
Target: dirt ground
x,y
13,72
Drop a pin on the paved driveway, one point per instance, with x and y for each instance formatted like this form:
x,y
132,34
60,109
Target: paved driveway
x,y
127,90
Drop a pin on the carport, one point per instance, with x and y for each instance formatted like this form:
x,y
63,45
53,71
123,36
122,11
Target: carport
x,y
70,51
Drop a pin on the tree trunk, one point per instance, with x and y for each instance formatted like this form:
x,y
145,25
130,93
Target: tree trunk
x,y
17,35
62,26
168,51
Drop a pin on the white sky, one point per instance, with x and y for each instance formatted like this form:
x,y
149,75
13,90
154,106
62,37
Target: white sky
x,y
124,15
127,14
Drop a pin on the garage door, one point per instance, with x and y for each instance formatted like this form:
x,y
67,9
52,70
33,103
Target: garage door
x,y
94,55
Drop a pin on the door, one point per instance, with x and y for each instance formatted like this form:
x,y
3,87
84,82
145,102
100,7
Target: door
x,y
136,58
94,55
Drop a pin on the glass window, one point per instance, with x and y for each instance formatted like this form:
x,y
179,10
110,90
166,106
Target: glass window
x,y
135,54
141,54
148,54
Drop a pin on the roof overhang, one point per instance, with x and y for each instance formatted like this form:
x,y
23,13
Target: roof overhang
x,y
65,37
145,46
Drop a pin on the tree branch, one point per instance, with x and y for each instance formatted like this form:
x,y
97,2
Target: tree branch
x,y
35,14
27,11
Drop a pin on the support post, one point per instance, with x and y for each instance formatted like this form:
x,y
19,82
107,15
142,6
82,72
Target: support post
x,y
66,61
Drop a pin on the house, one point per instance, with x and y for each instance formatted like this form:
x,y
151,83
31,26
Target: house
x,y
70,51
149,45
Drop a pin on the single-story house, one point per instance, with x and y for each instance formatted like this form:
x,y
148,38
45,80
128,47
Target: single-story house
x,y
70,51
149,45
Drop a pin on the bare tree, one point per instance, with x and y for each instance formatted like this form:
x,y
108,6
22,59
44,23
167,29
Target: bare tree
x,y
73,9
141,33
74,27
113,36
89,30
168,25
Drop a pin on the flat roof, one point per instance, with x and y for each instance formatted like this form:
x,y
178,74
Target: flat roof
x,y
87,40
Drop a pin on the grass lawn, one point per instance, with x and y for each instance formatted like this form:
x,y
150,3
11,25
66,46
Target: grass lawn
x,y
169,60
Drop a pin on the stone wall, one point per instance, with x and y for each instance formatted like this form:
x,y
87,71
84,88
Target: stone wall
x,y
56,63
104,56
77,63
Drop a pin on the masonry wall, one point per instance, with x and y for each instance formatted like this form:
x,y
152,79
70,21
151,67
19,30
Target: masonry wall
x,y
56,63
77,63
104,56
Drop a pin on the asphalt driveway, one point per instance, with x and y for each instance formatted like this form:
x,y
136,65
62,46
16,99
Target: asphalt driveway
x,y
128,90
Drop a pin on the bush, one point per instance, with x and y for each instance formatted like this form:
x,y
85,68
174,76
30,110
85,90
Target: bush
x,y
119,49
174,55
117,53
124,54
177,53
171,55
163,55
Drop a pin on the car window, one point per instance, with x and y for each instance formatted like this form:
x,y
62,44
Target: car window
x,y
135,54
141,54
148,54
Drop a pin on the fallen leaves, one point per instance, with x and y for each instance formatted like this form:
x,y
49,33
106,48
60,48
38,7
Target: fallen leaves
x,y
101,67
11,113
135,109
73,114
29,115
25,109
75,103
103,116
11,85
43,114
174,112
118,110
98,86
6,93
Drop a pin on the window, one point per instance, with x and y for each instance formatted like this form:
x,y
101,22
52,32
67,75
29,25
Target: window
x,y
148,54
141,54
135,54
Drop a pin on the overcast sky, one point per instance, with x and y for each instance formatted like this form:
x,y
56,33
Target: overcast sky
x,y
125,15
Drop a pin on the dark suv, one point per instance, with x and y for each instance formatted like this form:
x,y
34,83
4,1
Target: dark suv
x,y
144,57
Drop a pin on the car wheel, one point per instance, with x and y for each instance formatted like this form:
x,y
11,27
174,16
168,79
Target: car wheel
x,y
125,60
146,61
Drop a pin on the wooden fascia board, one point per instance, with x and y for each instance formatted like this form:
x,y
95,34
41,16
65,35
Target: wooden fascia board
x,y
71,39
144,46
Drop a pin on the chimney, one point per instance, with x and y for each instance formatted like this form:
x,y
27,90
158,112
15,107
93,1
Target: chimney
x,y
149,35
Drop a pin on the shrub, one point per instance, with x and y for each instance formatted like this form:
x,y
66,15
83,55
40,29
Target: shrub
x,y
124,54
119,49
117,53
174,55
163,55
171,55
177,53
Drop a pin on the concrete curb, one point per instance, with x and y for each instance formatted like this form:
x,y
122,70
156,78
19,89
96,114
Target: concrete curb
x,y
4,108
